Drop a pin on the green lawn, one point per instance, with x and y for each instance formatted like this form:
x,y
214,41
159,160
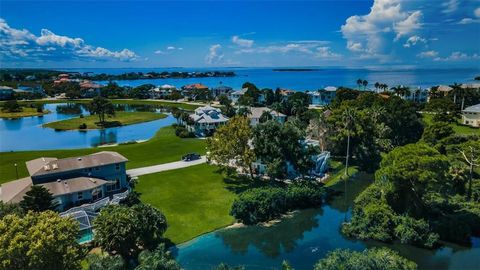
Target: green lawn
x,y
195,200
180,105
162,148
26,112
459,129
338,172
120,119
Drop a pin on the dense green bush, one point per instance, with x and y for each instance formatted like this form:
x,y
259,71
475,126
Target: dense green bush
x,y
372,259
267,203
82,126
183,132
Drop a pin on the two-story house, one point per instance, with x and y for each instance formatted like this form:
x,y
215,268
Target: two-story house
x,y
72,181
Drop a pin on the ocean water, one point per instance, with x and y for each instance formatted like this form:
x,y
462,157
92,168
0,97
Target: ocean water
x,y
307,80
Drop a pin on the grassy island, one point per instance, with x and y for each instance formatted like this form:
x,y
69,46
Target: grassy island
x,y
92,122
26,112
164,147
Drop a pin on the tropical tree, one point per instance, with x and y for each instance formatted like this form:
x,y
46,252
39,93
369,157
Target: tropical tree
x,y
349,117
99,262
359,83
39,241
38,199
372,259
377,85
11,209
158,259
470,152
230,143
437,131
123,230
101,107
317,130
364,83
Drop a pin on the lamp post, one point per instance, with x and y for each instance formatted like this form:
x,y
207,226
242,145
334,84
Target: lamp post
x,y
16,169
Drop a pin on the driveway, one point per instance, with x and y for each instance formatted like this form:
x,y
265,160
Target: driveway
x,y
165,167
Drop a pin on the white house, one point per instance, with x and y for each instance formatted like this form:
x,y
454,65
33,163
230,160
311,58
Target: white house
x,y
236,95
322,97
256,113
471,116
205,120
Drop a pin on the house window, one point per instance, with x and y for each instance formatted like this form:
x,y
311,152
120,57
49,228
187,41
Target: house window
x,y
80,195
117,167
113,185
97,168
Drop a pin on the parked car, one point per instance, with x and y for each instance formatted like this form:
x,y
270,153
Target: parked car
x,y
191,157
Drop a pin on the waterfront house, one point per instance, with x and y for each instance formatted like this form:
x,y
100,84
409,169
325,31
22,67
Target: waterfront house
x,y
236,95
72,181
205,120
285,93
162,92
257,112
221,90
189,90
90,89
471,116
323,96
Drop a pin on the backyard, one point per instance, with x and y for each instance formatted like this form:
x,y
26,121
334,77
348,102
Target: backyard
x,y
459,129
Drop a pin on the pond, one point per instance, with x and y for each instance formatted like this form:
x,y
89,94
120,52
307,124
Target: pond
x,y
304,239
27,133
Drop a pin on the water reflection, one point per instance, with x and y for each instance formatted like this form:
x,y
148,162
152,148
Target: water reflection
x,y
27,133
274,240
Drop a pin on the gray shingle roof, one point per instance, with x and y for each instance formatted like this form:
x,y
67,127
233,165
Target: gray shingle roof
x,y
474,108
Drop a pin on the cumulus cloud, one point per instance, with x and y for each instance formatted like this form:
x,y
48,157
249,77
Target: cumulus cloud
x,y
242,42
476,12
413,40
21,44
171,48
214,55
325,52
387,21
159,52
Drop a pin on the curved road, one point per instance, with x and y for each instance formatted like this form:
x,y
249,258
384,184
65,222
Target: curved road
x,y
165,167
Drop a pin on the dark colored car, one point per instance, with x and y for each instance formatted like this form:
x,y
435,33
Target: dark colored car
x,y
191,157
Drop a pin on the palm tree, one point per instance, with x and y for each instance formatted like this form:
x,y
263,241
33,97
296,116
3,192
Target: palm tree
x,y
359,83
364,83
377,85
397,90
456,90
349,117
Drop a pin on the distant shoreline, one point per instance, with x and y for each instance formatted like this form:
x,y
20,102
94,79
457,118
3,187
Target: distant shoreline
x,y
294,69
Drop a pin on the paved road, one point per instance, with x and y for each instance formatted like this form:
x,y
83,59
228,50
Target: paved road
x,y
165,167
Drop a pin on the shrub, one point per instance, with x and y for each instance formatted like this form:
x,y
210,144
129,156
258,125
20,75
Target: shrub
x,y
182,132
267,203
82,126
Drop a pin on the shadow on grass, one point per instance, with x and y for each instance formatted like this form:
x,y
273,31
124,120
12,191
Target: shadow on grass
x,y
108,124
239,183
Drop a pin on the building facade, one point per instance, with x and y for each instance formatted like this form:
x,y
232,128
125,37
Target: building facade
x,y
471,116
72,181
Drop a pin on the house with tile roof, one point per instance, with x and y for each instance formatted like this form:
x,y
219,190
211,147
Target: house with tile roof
x,y
72,181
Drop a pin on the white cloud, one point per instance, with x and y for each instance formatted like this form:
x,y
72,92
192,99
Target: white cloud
x,y
171,48
159,52
325,52
214,55
22,45
374,32
428,54
410,24
242,42
468,21
450,6
476,12
414,40
459,56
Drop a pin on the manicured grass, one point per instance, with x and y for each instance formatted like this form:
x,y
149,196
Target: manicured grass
x,y
162,148
459,129
120,119
181,105
25,113
195,200
338,172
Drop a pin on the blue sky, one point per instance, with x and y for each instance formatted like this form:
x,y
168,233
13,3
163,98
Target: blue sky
x,y
360,33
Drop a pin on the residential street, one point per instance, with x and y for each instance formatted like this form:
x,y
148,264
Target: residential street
x,y
165,167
